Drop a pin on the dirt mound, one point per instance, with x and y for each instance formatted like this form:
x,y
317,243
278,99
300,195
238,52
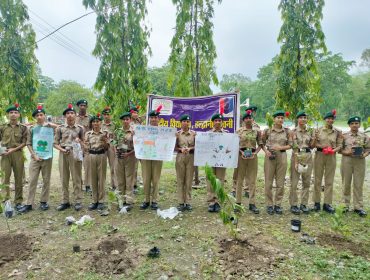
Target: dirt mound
x,y
112,255
14,247
343,244
246,258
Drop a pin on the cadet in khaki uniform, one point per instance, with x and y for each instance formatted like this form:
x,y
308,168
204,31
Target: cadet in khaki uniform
x,y
356,146
185,142
252,108
328,142
151,170
303,142
65,135
38,164
276,140
220,172
96,145
249,145
125,159
83,119
135,120
109,126
13,137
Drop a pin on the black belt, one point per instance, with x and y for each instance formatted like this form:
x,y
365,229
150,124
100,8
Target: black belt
x,y
319,149
252,149
96,152
307,150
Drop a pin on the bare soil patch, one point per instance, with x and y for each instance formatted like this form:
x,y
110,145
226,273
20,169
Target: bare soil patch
x,y
14,247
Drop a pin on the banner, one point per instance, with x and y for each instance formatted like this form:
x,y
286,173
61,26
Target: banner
x,y
42,141
154,142
216,149
199,108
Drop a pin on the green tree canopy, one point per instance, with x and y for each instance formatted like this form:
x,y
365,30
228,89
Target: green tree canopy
x,y
18,77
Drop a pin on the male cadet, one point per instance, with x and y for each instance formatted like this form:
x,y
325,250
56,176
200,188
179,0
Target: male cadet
x,y
135,120
13,137
151,170
220,172
185,142
253,109
277,140
249,145
109,126
329,141
301,164
65,135
38,164
83,119
356,147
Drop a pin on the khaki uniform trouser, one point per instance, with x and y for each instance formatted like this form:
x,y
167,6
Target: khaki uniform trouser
x,y
86,166
111,159
124,171
324,166
247,168
151,173
69,166
306,180
275,169
185,173
235,181
220,174
34,171
353,167
15,162
98,174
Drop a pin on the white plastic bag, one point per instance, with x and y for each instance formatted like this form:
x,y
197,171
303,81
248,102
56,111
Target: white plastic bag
x,y
168,213
84,219
77,151
8,209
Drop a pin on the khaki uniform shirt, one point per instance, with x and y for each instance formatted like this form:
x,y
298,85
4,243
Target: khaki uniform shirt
x,y
124,139
96,140
84,121
185,139
249,138
65,134
277,136
12,137
110,128
359,139
329,137
302,138
29,132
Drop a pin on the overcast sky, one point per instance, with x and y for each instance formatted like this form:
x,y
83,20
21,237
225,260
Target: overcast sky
x,y
245,35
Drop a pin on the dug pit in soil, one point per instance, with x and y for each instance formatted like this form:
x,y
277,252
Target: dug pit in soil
x,y
342,244
245,258
14,247
112,255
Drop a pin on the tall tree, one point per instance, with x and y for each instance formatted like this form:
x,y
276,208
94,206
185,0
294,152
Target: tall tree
x,y
122,46
18,77
301,36
192,48
365,58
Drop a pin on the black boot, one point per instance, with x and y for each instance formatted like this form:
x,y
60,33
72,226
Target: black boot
x,y
181,207
295,210
211,208
154,206
217,207
44,206
254,209
360,212
93,206
328,208
78,206
144,205
25,209
188,207
63,206
316,207
304,209
270,210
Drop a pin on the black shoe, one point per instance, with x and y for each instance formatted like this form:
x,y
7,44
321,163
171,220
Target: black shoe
x,y
78,206
88,189
93,206
217,207
278,210
181,207
328,208
246,194
295,210
211,208
144,205
254,209
188,207
304,209
44,206
237,210
128,206
63,206
25,209
18,207
316,207
154,206
270,210
360,212
101,206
